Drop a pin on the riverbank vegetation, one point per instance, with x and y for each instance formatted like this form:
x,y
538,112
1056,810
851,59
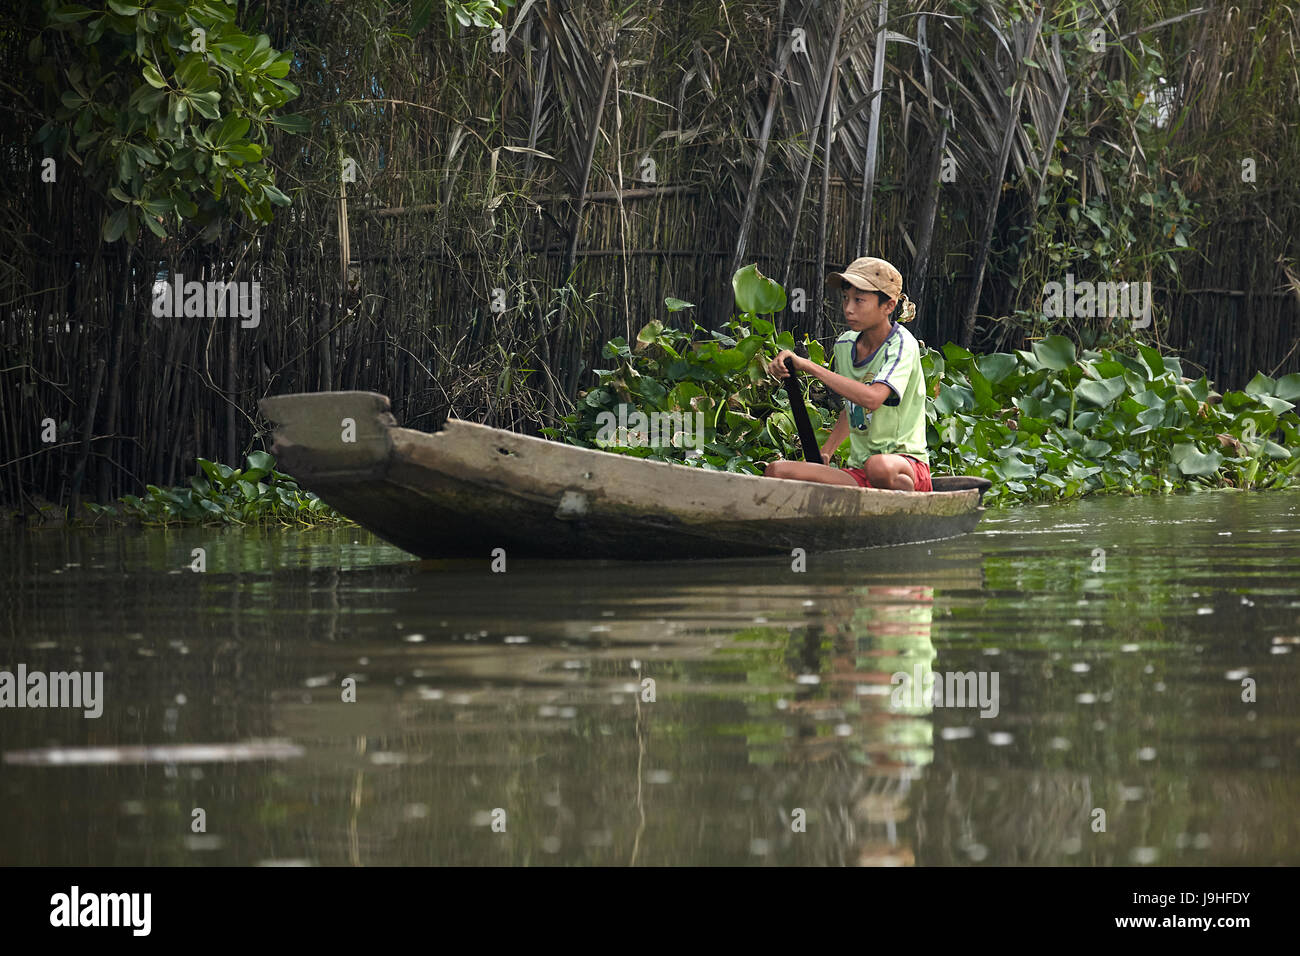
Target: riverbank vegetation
x,y
1051,422
221,495
471,216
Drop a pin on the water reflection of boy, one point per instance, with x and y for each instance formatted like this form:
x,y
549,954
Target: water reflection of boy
x,y
890,638
887,634
870,642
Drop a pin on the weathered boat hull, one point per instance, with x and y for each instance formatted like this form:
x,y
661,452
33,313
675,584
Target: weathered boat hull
x,y
469,489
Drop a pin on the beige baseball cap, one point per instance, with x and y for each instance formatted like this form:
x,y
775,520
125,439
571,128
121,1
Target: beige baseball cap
x,y
871,275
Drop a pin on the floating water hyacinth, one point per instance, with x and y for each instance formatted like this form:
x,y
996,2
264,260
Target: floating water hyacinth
x,y
1048,423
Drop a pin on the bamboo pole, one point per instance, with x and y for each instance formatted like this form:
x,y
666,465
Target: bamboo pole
x,y
819,286
929,213
873,131
760,160
812,148
991,211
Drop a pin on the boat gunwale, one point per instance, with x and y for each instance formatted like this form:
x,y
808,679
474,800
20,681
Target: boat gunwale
x,y
697,474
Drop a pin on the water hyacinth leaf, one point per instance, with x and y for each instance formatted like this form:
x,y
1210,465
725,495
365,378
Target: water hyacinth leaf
x,y
1153,360
1108,368
218,474
1033,426
1013,467
749,347
1233,401
262,460
1149,398
1260,385
1029,359
649,334
1094,449
957,357
1086,420
650,391
996,366
1029,405
598,397
1153,417
1191,461
934,364
1275,405
1101,393
678,370
951,398
730,359
756,292
1287,387
682,395
981,388
1055,352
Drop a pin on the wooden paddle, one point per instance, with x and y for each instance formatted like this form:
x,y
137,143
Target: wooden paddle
x,y
807,437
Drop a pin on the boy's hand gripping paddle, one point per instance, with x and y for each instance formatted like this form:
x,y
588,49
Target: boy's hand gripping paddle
x,y
807,438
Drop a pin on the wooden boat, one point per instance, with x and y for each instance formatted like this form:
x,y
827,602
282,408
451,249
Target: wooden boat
x,y
468,489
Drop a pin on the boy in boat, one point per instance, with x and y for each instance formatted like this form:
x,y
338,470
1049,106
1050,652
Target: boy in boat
x,y
876,369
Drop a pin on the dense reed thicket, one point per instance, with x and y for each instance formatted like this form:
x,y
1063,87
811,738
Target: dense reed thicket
x,y
475,213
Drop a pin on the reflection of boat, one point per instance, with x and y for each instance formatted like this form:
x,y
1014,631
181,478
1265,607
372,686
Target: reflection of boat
x,y
469,489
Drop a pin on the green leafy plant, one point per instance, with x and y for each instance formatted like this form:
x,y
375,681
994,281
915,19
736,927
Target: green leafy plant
x,y
165,106
488,14
1048,423
220,494
721,374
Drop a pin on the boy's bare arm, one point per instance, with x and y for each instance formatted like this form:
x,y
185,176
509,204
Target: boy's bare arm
x,y
836,437
869,397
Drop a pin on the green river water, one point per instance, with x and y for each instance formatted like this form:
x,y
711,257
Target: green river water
x,y
1144,651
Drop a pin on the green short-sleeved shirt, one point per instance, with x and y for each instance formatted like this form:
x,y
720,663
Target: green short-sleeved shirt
x,y
898,426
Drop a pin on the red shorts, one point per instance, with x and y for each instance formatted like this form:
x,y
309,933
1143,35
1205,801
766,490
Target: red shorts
x,y
920,475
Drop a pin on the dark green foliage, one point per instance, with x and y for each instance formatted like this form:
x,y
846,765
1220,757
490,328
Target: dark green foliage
x,y
219,494
1048,424
721,374
165,109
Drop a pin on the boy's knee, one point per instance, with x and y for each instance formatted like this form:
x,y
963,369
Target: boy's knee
x,y
878,473
884,473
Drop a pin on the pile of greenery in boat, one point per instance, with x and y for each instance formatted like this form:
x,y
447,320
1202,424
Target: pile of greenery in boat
x,y
1048,423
